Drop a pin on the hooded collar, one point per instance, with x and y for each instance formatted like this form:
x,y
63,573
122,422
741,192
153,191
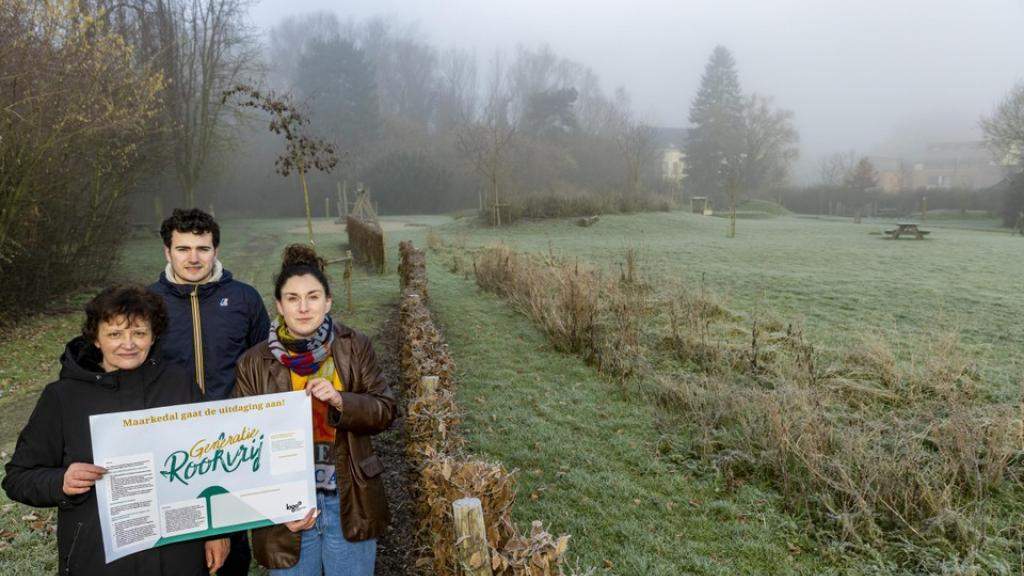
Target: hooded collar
x,y
218,273
220,277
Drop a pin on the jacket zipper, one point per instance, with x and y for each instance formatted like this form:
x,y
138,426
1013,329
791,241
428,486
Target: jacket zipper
x,y
197,340
67,563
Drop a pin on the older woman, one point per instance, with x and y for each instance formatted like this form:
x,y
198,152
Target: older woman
x,y
109,368
307,350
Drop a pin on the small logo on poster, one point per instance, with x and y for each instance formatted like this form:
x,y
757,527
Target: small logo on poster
x,y
294,507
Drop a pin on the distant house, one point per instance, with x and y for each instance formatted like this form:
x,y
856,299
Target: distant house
x,y
940,166
891,173
947,165
670,147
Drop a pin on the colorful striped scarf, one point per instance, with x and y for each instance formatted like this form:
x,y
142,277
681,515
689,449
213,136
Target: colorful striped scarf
x,y
301,355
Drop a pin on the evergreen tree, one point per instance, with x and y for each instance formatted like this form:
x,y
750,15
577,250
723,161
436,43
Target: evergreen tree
x,y
716,139
863,178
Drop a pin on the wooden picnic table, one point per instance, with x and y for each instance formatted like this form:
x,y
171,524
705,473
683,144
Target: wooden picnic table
x,y
906,229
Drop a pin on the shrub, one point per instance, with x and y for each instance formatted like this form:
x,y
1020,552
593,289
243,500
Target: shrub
x,y
570,202
74,113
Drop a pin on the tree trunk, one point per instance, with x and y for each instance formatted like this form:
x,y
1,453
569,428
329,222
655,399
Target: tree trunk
x,y
189,193
732,211
309,215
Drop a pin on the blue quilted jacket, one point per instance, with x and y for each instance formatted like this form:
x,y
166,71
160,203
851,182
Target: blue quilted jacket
x,y
211,325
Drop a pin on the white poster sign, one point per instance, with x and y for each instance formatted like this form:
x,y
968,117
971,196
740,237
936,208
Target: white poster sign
x,y
197,470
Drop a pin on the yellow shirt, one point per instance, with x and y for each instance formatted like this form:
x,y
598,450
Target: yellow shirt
x,y
323,433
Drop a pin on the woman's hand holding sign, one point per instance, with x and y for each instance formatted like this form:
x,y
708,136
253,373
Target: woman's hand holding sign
x,y
323,390
305,523
80,477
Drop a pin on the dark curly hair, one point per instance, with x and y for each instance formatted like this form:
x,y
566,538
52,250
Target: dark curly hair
x,y
129,300
192,220
299,260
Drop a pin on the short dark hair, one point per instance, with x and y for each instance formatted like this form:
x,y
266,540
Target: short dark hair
x,y
191,220
299,260
129,300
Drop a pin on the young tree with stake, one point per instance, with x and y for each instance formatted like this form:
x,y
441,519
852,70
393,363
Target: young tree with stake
x,y
302,152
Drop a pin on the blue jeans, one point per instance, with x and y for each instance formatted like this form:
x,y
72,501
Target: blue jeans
x,y
325,550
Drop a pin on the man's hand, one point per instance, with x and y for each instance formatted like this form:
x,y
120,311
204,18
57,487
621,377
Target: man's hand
x,y
323,390
216,553
304,524
80,477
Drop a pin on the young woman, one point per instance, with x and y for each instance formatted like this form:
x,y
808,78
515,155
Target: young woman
x,y
307,350
109,368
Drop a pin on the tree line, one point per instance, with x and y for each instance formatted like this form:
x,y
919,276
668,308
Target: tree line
x,y
428,129
114,111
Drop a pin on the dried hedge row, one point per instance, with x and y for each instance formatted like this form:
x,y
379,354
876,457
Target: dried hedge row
x,y
412,270
444,472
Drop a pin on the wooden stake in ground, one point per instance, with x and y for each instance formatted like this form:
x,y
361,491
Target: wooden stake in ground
x,y
302,152
348,278
344,195
428,386
732,209
305,196
471,551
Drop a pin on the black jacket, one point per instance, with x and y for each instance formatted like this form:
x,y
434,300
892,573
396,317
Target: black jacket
x,y
232,317
57,435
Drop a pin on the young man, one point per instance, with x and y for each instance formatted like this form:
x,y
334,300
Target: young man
x,y
213,320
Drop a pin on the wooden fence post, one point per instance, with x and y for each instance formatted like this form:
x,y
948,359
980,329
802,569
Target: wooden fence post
x,y
471,550
337,199
348,278
428,386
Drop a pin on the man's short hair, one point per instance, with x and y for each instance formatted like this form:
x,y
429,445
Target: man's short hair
x,y
132,301
192,220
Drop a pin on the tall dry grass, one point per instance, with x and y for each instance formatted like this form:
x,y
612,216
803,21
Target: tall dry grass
x,y
880,453
581,310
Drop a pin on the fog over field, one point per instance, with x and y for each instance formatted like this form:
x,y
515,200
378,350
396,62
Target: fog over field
x,y
877,77
665,287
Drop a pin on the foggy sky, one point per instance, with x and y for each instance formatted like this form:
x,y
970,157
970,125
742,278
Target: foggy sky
x,y
869,75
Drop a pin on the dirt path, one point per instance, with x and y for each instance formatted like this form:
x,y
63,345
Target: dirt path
x,y
396,550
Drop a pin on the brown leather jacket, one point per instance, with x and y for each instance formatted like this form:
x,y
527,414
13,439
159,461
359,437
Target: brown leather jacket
x,y
368,407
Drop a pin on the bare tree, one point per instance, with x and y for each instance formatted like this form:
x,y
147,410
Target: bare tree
x,y
1004,129
834,168
487,142
457,90
202,47
634,139
593,106
287,40
769,143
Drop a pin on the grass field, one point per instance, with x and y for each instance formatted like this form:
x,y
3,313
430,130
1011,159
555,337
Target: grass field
x,y
595,462
846,284
837,278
